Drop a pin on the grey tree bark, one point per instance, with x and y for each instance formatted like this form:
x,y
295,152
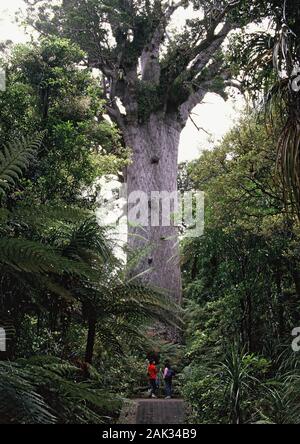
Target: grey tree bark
x,y
154,169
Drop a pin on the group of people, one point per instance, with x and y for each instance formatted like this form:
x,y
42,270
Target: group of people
x,y
155,375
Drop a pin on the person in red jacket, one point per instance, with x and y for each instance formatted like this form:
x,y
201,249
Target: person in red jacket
x,y
152,375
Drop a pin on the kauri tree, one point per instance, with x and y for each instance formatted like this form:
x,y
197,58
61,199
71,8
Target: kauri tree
x,y
153,77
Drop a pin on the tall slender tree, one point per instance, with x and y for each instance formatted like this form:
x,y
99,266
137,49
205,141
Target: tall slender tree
x,y
153,77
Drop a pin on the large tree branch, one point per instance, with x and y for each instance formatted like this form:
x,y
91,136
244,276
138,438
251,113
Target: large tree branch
x,y
150,56
115,114
237,84
125,88
207,49
193,100
219,16
101,64
192,59
199,90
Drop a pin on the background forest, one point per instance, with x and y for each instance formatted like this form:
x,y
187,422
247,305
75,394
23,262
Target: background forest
x,y
79,322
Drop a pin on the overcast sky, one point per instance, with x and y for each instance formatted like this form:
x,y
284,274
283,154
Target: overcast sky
x,y
215,116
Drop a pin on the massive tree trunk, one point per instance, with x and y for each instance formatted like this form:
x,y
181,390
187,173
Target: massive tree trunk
x,y
154,169
139,69
138,57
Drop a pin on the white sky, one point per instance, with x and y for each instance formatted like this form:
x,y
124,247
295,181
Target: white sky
x,y
9,30
215,115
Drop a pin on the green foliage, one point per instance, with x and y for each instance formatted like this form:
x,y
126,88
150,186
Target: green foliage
x,y
116,35
241,281
59,275
226,391
269,61
63,291
47,91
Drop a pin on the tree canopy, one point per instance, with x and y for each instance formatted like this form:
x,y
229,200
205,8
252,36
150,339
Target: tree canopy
x,y
146,64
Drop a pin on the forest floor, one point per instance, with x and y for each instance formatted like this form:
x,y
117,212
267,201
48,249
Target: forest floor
x,y
154,411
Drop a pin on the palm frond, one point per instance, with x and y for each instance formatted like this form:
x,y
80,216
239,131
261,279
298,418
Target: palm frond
x,y
289,159
285,61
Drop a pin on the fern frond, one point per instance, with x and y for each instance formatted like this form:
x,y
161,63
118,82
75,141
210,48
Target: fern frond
x,y
15,157
143,303
45,215
28,389
78,399
19,401
34,257
88,242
